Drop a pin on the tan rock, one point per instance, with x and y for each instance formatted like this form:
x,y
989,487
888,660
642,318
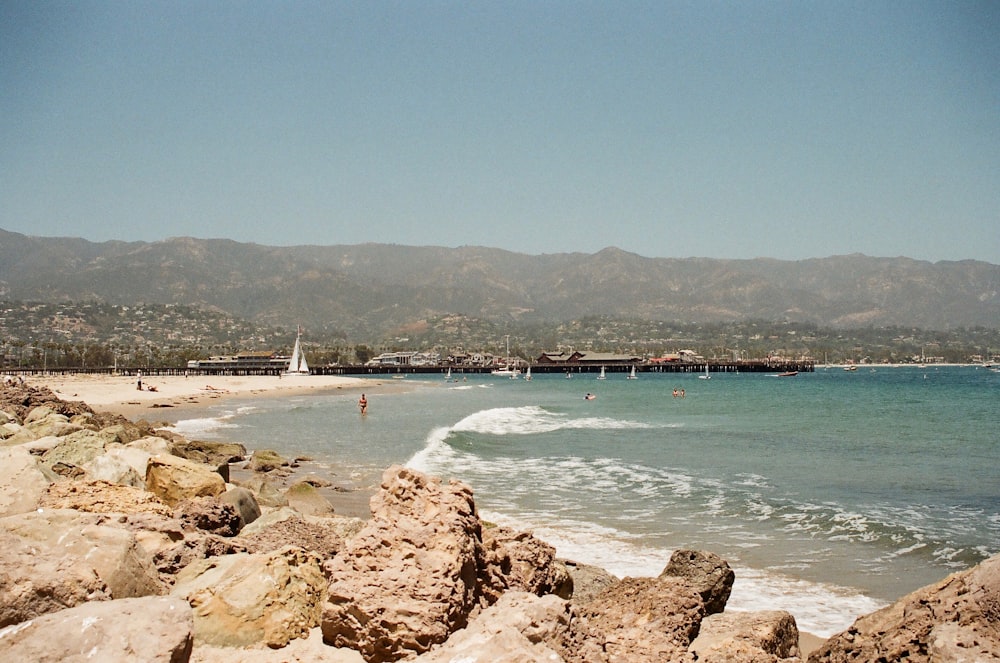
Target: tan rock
x,y
242,599
519,628
749,637
101,497
54,559
408,579
152,630
638,620
518,561
23,481
304,498
956,619
173,479
300,650
707,572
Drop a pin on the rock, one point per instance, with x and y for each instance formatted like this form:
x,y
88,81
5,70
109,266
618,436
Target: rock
x,y
172,559
244,502
174,479
209,453
209,514
152,445
707,572
266,460
408,579
23,481
748,637
588,581
57,559
300,650
956,619
76,449
519,628
42,421
265,491
519,561
304,498
113,470
323,536
101,497
244,599
638,620
152,629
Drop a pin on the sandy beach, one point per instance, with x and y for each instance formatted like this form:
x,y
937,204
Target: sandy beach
x,y
120,393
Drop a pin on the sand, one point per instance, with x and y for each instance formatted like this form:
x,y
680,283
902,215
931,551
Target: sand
x,y
119,394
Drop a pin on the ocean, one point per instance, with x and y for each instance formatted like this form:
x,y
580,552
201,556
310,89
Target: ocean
x,y
830,493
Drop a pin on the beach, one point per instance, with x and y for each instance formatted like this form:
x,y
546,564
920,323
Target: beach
x,y
120,393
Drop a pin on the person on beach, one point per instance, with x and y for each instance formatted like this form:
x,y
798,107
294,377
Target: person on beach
x,y
363,404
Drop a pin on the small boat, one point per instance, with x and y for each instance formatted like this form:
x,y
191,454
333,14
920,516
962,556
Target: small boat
x,y
788,374
852,367
602,376
705,375
297,364
589,397
507,371
631,374
527,375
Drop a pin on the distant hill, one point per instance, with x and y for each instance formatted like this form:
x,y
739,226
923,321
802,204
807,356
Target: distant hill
x,y
371,289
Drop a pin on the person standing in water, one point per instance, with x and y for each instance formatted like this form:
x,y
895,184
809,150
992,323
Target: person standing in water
x,y
363,404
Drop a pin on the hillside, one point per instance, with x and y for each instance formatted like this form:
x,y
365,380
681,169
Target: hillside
x,y
367,291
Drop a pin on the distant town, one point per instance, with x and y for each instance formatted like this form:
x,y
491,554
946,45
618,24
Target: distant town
x,y
93,336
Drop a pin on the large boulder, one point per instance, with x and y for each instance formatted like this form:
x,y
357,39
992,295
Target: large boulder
x,y
747,637
174,479
151,629
305,498
519,628
23,481
245,599
321,535
409,578
112,469
266,460
76,449
209,453
640,620
209,514
244,502
57,559
707,572
956,619
588,580
517,560
101,497
300,650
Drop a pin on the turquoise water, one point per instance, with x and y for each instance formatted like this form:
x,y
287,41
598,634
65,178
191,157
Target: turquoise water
x,y
830,493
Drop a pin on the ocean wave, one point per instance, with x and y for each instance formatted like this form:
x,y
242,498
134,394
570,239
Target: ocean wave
x,y
533,420
205,426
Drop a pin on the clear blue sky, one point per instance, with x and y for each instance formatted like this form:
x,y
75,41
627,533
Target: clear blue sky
x,y
785,129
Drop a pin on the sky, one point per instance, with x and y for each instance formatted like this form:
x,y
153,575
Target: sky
x,y
743,129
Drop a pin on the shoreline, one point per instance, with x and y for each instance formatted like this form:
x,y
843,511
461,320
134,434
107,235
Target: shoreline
x,y
119,394
177,397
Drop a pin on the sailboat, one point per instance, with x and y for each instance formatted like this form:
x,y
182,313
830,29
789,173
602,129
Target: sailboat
x,y
507,371
705,376
527,375
631,374
602,376
297,364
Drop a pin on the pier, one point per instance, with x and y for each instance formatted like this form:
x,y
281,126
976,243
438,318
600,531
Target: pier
x,y
743,366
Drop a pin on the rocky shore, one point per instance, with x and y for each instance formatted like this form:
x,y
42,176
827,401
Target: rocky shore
x,y
125,542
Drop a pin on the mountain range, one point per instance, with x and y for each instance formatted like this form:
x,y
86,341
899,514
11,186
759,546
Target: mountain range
x,y
370,290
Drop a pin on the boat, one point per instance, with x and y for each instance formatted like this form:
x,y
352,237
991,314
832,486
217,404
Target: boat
x,y
297,364
788,374
602,376
507,371
527,375
705,375
631,374
850,367
589,397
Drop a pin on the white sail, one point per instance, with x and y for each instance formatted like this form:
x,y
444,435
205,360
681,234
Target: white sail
x,y
297,364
